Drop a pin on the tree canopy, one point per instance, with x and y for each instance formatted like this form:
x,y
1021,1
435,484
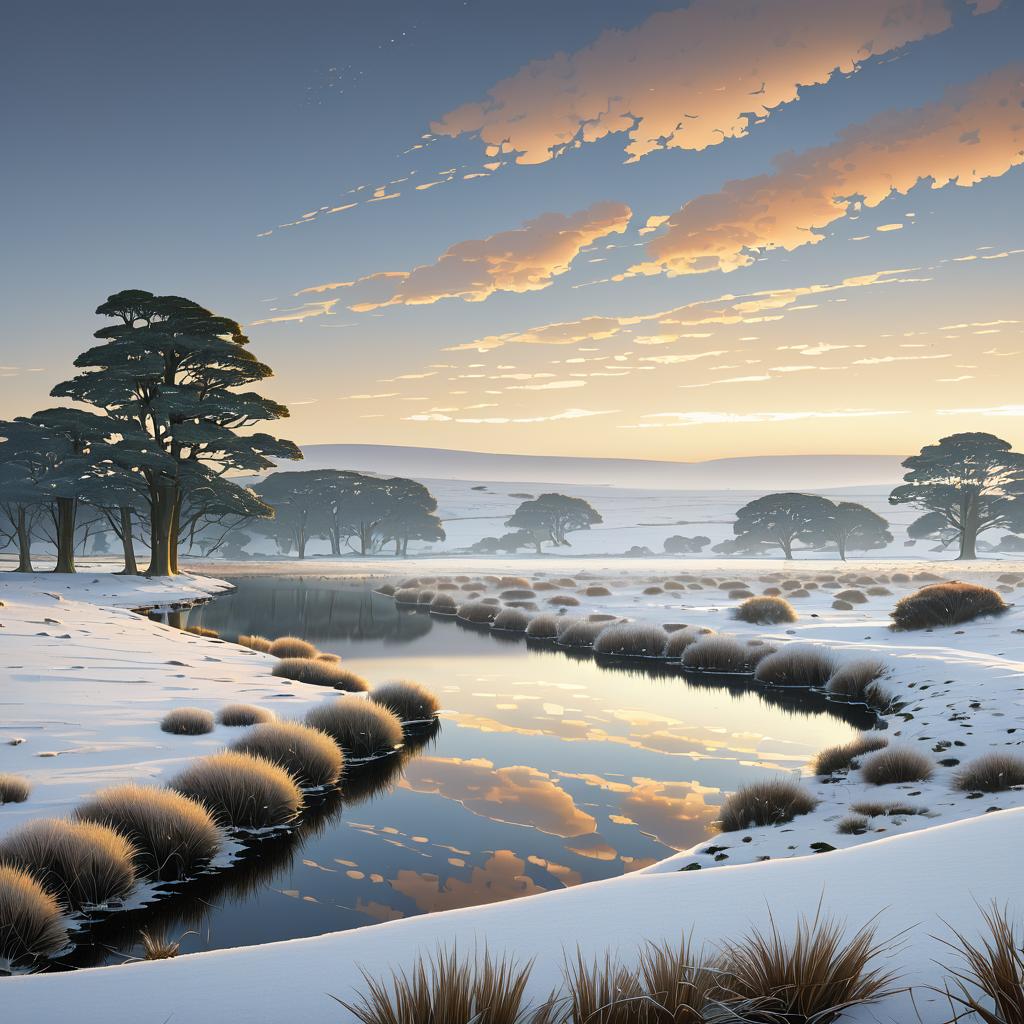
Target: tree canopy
x,y
550,517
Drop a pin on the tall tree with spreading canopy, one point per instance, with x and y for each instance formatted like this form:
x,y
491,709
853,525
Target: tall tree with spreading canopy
x,y
852,527
173,369
972,482
551,516
780,520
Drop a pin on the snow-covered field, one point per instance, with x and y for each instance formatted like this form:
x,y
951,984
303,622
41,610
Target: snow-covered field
x,y
86,681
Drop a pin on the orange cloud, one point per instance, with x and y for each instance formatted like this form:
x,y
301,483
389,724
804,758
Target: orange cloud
x,y
688,78
525,259
975,132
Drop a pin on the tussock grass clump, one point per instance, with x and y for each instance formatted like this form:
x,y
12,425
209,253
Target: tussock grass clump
x,y
334,659
680,639
387,589
895,809
310,756
739,595
362,728
320,673
187,722
765,611
292,647
255,642
243,714
80,862
579,633
812,975
447,989
651,591
30,918
173,836
478,612
843,756
853,825
852,679
602,992
796,665
595,590
988,984
158,946
677,983
632,640
14,789
852,596
519,582
407,595
842,606
991,773
444,604
879,591
946,604
513,620
772,802
543,627
521,594
424,597
722,654
210,634
241,790
409,701
563,601
897,764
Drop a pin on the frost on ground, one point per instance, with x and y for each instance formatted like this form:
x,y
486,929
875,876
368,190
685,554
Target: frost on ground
x,y
91,681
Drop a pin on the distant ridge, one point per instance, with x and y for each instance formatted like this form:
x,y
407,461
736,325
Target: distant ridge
x,y
774,472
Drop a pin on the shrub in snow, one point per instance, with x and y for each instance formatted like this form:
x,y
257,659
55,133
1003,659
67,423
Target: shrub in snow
x,y
813,975
243,714
361,728
723,654
240,790
851,596
796,665
632,640
946,604
595,590
320,673
844,755
173,836
409,701
579,633
255,642
853,825
81,863
563,601
14,789
187,722
31,924
513,620
311,757
478,612
765,611
292,647
543,627
679,639
991,773
772,802
897,764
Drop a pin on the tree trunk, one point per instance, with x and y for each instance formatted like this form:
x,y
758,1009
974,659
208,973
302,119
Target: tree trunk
x,y
841,545
300,543
787,549
398,547
66,509
24,542
131,567
335,535
969,532
161,520
172,537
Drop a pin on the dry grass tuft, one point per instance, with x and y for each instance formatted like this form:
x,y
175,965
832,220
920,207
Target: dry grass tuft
x,y
478,612
897,764
579,633
594,590
563,601
991,773
30,918
632,640
243,714
853,825
255,642
187,722
796,665
724,654
543,627
158,947
989,985
946,604
444,604
82,863
680,639
446,989
812,977
360,727
772,802
14,789
843,756
292,647
853,679
409,701
513,620
334,659
173,836
240,790
210,634
677,983
894,809
320,673
602,992
765,611
852,596
407,595
311,757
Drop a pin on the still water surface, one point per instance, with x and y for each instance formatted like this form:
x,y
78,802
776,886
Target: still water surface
x,y
546,771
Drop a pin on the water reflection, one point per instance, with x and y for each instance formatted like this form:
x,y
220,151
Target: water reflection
x,y
551,769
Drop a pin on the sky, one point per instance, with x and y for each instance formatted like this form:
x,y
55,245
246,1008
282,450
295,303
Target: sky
x,y
648,229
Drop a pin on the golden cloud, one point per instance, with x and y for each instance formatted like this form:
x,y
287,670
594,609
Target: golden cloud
x,y
688,78
975,132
